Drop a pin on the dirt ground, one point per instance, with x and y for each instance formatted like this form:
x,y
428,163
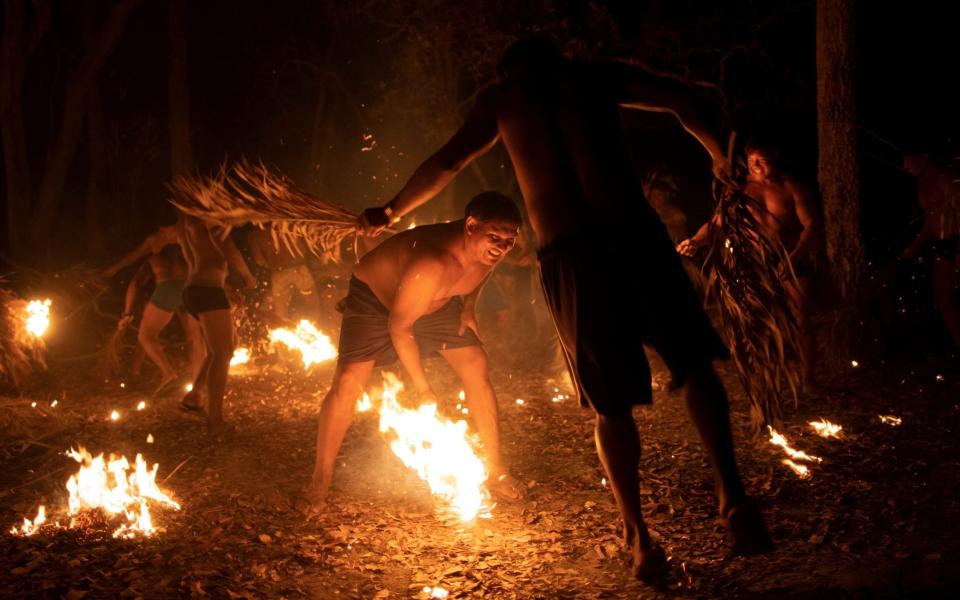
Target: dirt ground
x,y
876,519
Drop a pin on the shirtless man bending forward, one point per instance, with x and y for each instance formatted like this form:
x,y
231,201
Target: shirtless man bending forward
x,y
413,296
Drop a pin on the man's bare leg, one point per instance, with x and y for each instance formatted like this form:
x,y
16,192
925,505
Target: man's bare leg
x,y
945,295
217,326
336,413
470,364
198,349
710,412
618,446
151,324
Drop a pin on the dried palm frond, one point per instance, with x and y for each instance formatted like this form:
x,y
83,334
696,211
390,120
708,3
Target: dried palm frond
x,y
744,269
253,194
20,352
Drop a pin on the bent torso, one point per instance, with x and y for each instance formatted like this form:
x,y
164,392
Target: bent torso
x,y
206,264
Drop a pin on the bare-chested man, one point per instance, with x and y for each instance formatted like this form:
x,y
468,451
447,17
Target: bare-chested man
x,y
288,272
208,256
937,190
609,271
169,270
413,296
789,215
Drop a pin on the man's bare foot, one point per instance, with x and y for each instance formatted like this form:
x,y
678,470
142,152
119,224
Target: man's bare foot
x,y
649,565
506,486
315,497
191,404
748,532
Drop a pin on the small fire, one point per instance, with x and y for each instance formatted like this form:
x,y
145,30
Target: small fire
x,y
30,527
778,439
413,223
114,416
436,592
107,485
241,356
115,487
440,451
314,346
37,317
825,428
891,420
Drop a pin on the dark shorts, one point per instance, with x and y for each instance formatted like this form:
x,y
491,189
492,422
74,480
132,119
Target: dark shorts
x,y
168,296
947,248
611,290
364,334
204,298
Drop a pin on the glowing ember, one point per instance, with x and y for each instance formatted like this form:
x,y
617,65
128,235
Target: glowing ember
x,y
440,451
33,405
778,439
413,223
436,592
149,438
825,428
114,416
142,405
107,485
37,317
462,395
364,404
801,470
314,346
520,402
189,387
54,403
891,420
30,527
854,364
241,356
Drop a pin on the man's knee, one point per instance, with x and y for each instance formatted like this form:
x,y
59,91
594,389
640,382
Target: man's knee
x,y
473,361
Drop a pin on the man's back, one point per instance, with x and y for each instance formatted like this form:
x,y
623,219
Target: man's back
x,y
562,131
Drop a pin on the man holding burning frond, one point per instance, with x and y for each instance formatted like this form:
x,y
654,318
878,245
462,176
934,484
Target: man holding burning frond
x,y
610,274
411,297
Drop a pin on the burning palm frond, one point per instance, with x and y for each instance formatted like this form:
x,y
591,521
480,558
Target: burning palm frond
x,y
249,193
20,350
744,280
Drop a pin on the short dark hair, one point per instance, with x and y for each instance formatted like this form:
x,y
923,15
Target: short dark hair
x,y
530,53
768,147
493,206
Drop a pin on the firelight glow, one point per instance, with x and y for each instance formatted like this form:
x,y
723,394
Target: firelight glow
x,y
314,347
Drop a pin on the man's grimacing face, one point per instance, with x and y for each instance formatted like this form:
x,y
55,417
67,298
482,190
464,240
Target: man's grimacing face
x,y
490,241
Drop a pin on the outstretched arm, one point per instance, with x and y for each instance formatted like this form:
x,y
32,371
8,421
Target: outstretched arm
x,y
139,253
418,286
690,246
639,89
477,135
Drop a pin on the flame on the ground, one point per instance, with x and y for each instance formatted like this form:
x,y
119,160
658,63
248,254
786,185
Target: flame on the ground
x,y
825,428
778,439
30,527
36,317
440,451
116,487
241,356
364,404
890,420
435,592
113,486
314,347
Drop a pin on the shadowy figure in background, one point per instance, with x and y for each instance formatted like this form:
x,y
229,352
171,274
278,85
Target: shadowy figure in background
x,y
610,275
207,256
289,274
411,297
938,194
789,214
168,269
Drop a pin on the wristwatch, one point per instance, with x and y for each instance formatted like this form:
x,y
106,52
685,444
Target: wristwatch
x,y
388,213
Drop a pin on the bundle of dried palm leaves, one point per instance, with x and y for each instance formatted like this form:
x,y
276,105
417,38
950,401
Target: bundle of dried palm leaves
x,y
20,352
747,274
253,194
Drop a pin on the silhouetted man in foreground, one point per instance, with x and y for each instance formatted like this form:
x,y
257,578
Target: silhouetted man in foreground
x,y
609,271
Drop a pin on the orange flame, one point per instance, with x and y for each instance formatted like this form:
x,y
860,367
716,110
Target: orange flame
x,y
825,428
440,451
314,347
778,439
31,527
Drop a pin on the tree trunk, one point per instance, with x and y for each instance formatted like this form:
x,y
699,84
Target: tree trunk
x,y
181,155
18,44
838,172
71,126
